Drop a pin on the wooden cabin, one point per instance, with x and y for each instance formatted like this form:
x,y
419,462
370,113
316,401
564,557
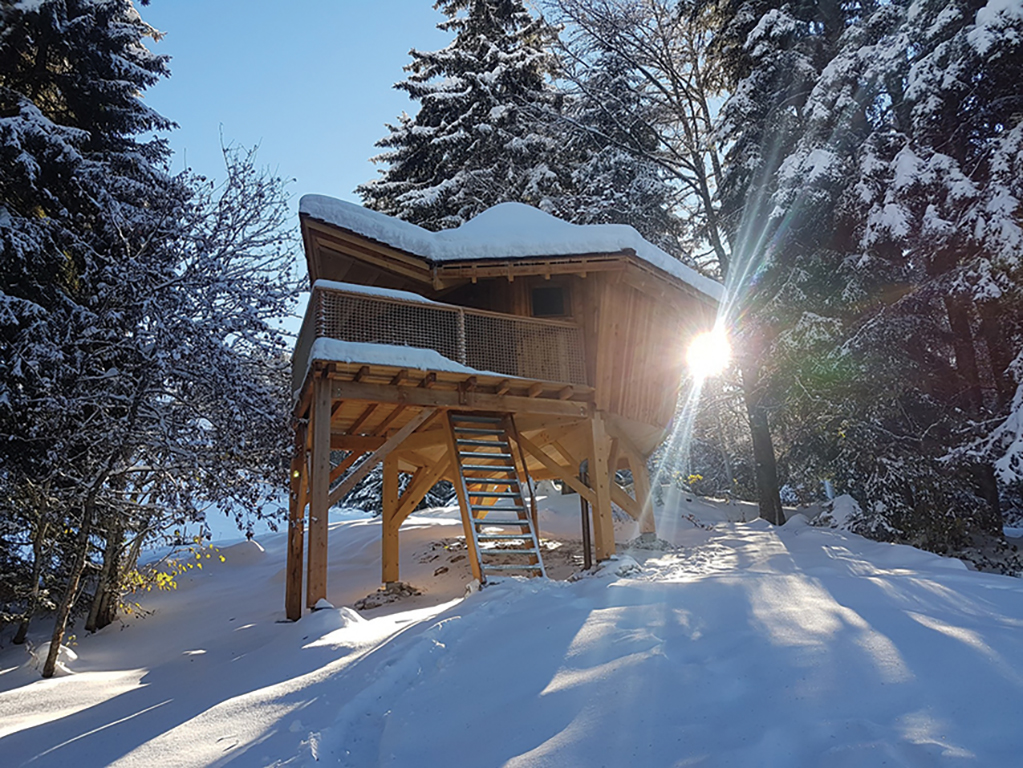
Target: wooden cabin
x,y
508,350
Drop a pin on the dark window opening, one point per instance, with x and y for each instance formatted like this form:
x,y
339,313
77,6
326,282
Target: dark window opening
x,y
549,301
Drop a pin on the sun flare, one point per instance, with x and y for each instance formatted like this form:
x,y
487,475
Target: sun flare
x,y
708,354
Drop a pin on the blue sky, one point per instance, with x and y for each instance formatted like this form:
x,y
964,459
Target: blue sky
x,y
310,81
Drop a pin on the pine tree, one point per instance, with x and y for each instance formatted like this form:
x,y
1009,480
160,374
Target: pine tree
x,y
877,173
476,140
77,181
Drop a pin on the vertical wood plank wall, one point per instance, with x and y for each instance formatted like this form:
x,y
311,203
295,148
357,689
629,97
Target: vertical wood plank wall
x,y
637,343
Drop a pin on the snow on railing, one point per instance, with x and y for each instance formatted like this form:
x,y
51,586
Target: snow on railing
x,y
525,347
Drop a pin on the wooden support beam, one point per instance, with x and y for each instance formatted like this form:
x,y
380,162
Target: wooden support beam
x,y
641,481
612,460
345,465
566,392
641,488
380,430
426,438
363,373
551,434
567,474
319,496
356,443
429,380
603,520
296,530
477,401
366,413
389,546
625,501
535,390
465,388
379,455
422,482
571,460
503,387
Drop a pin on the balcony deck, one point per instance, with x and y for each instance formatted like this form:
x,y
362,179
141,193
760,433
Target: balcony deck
x,y
407,342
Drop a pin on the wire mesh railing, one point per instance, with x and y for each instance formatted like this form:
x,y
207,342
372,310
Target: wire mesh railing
x,y
547,350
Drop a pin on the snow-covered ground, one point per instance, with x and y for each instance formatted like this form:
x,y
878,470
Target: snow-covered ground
x,y
745,645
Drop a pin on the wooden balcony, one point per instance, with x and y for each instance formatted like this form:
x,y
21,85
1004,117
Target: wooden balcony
x,y
472,341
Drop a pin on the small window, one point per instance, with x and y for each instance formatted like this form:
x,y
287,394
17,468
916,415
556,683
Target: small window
x,y
550,301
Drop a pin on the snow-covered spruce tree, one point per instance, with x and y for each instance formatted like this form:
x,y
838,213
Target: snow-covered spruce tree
x,y
958,184
75,180
609,144
123,291
878,230
477,139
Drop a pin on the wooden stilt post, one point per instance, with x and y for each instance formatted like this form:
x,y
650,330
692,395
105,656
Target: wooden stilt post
x,y
603,521
389,548
641,487
319,491
296,529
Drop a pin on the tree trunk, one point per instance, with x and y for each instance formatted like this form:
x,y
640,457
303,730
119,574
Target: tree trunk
x,y
997,351
958,309
37,573
987,484
768,492
105,599
68,599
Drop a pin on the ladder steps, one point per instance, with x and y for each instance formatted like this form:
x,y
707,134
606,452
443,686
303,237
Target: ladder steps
x,y
496,552
523,567
505,521
482,450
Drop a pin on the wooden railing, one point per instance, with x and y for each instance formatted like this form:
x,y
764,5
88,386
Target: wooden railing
x,y
509,345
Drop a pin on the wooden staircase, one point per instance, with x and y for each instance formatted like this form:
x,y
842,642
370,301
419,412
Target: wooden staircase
x,y
500,534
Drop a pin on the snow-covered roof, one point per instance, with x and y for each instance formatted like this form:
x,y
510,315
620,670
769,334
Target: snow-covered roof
x,y
506,231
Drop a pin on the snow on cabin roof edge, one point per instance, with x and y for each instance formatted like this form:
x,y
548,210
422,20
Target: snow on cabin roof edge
x,y
506,231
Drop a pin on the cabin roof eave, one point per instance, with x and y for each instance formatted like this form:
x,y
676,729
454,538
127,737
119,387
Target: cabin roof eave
x,y
647,277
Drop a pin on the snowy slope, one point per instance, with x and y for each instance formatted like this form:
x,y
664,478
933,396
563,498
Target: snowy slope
x,y
506,231
745,646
